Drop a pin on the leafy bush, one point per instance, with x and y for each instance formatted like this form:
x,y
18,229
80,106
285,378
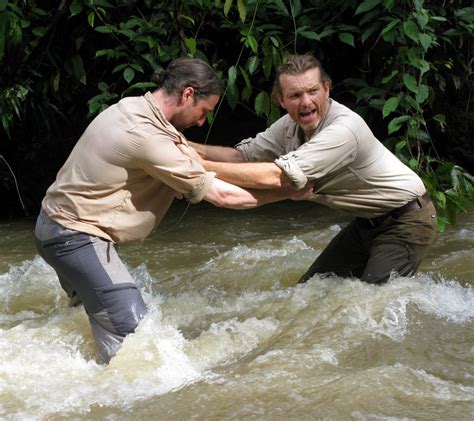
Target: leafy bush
x,y
398,63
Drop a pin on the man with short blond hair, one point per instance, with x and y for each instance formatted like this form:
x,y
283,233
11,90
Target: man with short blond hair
x,y
321,141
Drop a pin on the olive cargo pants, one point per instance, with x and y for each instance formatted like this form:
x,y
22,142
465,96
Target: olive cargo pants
x,y
371,249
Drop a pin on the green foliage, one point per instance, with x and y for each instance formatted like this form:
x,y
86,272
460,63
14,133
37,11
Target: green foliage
x,y
399,61
451,187
416,71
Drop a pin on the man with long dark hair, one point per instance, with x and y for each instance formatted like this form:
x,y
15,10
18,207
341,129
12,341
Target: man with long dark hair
x,y
116,186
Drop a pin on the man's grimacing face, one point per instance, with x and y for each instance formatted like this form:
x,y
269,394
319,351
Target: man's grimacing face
x,y
305,98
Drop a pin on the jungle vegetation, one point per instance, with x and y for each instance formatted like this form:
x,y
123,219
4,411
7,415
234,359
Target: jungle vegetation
x,y
404,65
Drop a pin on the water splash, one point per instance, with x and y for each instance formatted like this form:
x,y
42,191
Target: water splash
x,y
217,319
31,287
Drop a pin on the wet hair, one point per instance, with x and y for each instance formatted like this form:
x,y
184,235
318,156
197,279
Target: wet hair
x,y
296,65
188,72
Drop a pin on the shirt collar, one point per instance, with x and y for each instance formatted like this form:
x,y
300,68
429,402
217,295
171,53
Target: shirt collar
x,y
175,135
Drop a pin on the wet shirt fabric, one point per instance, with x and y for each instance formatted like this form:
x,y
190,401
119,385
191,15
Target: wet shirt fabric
x,y
351,169
123,174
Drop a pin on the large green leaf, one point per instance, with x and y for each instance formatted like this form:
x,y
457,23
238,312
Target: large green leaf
x,y
411,30
77,66
397,123
410,83
366,5
242,10
128,74
232,75
76,7
347,38
390,106
227,6
262,103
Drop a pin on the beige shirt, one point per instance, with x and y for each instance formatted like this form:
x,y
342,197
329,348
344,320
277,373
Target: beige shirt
x,y
352,170
123,174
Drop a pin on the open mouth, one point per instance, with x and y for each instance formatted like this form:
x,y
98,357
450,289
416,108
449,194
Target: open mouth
x,y
307,115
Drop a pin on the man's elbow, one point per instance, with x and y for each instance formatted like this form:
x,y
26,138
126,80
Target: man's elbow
x,y
272,177
237,155
229,201
276,180
225,198
221,200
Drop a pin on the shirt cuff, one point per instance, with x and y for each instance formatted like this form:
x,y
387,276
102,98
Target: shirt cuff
x,y
289,166
200,191
243,146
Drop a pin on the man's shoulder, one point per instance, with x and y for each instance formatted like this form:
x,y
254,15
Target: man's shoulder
x,y
284,121
284,127
342,115
338,110
131,101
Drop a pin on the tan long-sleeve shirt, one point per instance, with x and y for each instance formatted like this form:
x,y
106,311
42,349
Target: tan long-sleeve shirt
x,y
123,174
351,169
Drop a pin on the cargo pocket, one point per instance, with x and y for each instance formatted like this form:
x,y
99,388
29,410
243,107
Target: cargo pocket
x,y
123,306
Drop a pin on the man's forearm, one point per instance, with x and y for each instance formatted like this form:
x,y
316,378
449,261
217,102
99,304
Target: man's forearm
x,y
229,167
258,175
226,195
218,153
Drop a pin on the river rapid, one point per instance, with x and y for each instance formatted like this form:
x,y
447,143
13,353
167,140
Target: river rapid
x,y
229,334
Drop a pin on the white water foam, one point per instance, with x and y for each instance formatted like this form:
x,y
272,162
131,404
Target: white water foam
x,y
48,360
248,257
30,287
47,370
383,310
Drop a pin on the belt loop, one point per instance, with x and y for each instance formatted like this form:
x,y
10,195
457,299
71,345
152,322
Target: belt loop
x,y
423,199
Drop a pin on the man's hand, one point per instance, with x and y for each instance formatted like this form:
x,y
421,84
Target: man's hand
x,y
190,152
306,193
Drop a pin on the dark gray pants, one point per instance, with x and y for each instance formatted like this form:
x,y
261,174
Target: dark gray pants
x,y
90,271
371,249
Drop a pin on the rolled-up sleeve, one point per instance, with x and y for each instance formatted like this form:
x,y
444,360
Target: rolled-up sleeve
x,y
200,189
271,143
166,163
325,153
292,170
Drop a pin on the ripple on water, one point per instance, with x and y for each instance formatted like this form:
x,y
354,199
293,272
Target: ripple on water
x,y
232,335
